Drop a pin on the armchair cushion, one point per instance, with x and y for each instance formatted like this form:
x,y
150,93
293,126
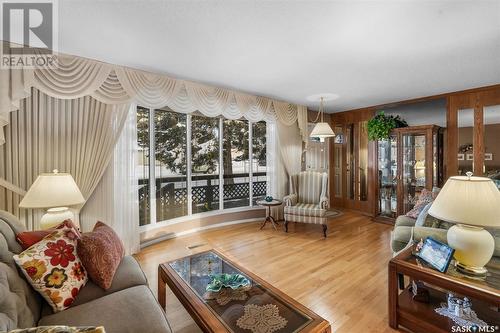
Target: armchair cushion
x,y
305,210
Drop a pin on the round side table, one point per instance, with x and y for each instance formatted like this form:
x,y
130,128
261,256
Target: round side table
x,y
268,205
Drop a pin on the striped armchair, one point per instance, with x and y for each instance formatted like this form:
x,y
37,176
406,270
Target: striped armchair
x,y
309,201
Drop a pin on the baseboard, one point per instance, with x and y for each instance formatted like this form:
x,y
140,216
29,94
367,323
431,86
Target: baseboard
x,y
171,235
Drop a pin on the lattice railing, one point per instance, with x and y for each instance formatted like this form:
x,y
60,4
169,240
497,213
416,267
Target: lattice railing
x,y
172,198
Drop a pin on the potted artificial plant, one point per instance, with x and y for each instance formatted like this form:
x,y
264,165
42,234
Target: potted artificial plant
x,y
381,125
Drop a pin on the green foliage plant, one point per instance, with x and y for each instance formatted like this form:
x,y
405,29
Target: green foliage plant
x,y
381,125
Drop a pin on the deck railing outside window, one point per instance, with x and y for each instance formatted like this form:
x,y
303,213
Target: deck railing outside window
x,y
172,196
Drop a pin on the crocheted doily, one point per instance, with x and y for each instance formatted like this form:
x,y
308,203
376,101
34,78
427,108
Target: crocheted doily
x,y
261,318
464,320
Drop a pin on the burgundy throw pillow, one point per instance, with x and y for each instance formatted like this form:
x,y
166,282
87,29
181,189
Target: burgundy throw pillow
x,y
29,238
101,252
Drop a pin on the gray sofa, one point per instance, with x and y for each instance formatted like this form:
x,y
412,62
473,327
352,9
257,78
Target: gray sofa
x,y
128,306
401,233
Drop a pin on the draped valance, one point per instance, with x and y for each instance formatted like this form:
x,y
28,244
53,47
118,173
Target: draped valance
x,y
75,77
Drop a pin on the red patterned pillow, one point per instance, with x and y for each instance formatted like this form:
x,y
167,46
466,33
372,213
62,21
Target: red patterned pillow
x,y
101,251
53,268
29,238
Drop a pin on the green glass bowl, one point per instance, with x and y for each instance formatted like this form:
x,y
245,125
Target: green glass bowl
x,y
233,281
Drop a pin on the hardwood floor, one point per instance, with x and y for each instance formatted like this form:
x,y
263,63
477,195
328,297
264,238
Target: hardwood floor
x,y
342,278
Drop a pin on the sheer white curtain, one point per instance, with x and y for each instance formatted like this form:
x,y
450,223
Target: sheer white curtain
x,y
75,136
290,146
284,156
115,200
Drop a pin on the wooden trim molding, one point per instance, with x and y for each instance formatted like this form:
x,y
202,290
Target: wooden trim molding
x,y
488,93
478,139
451,166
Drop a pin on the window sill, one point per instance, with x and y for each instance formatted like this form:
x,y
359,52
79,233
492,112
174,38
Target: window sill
x,y
198,216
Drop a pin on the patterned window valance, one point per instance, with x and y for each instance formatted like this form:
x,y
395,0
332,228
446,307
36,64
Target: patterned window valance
x,y
76,77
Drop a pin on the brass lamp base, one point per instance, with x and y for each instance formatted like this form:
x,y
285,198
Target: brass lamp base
x,y
470,270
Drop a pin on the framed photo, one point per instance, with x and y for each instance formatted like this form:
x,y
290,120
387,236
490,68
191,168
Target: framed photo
x,y
470,157
436,254
461,157
339,138
488,157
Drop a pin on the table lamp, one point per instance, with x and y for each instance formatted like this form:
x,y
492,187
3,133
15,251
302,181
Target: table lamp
x,y
471,203
54,191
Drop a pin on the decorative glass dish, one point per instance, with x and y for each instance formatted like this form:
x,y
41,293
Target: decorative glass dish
x,y
233,281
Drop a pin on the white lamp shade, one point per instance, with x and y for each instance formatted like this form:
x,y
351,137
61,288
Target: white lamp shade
x,y
52,190
322,130
473,201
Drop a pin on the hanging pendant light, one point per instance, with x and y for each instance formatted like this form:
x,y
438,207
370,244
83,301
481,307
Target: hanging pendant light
x,y
321,130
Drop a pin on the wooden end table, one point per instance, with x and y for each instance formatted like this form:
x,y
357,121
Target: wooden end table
x,y
269,217
422,317
231,310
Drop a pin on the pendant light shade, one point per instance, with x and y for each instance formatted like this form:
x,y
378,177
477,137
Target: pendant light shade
x,y
321,130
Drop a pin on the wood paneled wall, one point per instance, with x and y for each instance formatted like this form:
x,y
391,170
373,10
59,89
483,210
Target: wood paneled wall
x,y
476,98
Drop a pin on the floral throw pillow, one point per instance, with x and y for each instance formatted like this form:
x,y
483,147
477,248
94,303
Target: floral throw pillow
x,y
54,269
424,198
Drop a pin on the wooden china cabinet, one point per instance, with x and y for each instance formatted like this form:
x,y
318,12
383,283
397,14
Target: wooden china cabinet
x,y
409,161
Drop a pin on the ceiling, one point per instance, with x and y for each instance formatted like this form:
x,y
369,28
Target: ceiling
x,y
367,52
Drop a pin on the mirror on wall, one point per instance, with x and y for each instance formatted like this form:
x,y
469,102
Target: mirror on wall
x,y
465,153
491,119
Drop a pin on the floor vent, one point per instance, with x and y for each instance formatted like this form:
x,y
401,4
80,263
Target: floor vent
x,y
190,247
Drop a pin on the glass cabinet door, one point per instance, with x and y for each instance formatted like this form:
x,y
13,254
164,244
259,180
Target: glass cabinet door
x,y
413,169
350,161
387,176
337,161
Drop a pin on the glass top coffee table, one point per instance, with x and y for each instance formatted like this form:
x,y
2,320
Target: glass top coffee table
x,y
258,307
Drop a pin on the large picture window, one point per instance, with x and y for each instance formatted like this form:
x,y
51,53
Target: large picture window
x,y
204,163
236,167
190,164
170,172
142,170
